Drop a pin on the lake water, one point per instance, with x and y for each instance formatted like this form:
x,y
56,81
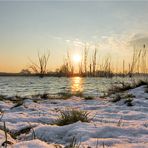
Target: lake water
x,y
26,86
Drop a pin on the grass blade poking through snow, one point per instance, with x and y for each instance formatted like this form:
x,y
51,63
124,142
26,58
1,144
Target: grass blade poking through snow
x,y
71,116
6,142
73,144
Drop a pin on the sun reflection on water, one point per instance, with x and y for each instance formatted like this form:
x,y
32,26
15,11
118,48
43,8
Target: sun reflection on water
x,y
76,84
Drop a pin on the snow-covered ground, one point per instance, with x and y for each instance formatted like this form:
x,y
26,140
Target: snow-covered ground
x,y
114,125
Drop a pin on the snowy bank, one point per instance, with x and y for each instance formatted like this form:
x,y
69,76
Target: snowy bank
x,y
113,124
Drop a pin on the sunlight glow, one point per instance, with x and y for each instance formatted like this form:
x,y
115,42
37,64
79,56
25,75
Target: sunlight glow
x,y
76,85
76,58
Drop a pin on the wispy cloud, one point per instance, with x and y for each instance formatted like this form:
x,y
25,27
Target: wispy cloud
x,y
139,39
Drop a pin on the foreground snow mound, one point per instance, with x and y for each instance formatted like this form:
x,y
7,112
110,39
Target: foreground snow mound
x,y
34,144
16,128
4,106
87,133
140,145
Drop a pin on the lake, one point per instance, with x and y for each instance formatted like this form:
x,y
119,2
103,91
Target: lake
x,y
27,86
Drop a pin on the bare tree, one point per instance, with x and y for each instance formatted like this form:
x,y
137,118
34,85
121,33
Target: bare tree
x,y
94,62
70,65
135,60
143,59
90,69
41,67
123,68
85,59
81,67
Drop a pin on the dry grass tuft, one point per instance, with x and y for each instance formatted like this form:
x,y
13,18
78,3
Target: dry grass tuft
x,y
71,116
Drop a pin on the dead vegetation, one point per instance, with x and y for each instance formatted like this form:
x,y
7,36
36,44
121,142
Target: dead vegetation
x,y
40,68
71,116
126,98
122,87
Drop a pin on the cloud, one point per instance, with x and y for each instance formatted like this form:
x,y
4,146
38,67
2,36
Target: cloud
x,y
57,37
79,43
139,39
120,45
114,43
67,41
75,43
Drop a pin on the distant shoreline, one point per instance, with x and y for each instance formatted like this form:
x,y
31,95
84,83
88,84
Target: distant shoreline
x,y
2,74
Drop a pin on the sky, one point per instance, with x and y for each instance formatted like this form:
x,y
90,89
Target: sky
x,y
29,27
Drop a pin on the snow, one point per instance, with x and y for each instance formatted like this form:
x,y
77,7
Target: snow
x,y
4,106
33,144
86,131
114,125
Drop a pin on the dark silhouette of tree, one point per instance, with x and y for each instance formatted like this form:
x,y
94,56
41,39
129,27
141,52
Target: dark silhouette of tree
x,y
40,68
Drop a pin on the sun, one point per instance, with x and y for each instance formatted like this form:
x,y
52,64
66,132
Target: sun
x,y
76,58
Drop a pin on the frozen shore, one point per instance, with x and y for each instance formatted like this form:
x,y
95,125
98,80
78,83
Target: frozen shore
x,y
113,123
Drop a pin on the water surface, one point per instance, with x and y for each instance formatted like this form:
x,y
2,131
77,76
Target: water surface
x,y
24,86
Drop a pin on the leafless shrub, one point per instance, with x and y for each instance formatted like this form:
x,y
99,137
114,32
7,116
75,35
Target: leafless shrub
x,y
41,67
